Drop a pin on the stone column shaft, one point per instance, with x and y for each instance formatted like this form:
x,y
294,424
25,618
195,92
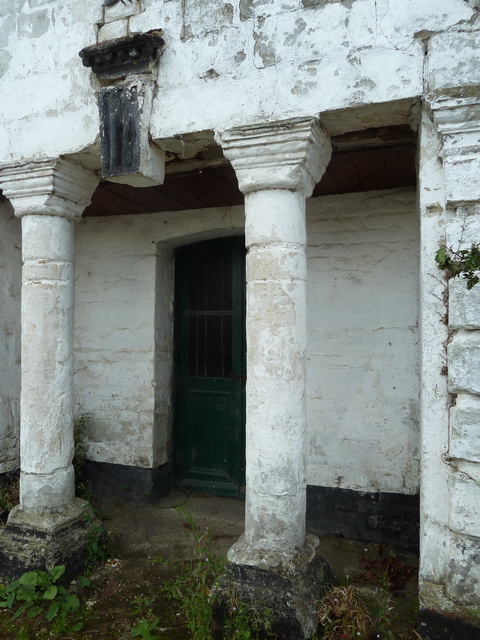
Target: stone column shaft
x,y
49,196
46,434
274,563
276,343
277,166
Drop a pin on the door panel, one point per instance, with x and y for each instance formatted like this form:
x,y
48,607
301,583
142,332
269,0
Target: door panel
x,y
210,366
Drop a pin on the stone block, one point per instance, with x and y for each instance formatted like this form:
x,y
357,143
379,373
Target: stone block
x,y
454,56
463,574
113,30
464,501
464,364
461,178
464,305
121,10
465,434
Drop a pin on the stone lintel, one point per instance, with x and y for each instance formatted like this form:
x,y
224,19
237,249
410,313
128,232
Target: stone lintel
x,y
54,186
288,154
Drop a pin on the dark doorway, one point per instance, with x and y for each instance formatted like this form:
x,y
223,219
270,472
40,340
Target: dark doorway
x,y
209,439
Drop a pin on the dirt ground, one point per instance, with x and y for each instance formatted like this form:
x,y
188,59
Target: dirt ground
x,y
147,540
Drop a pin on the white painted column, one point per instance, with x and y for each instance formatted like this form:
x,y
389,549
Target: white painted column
x,y
277,166
276,344
49,197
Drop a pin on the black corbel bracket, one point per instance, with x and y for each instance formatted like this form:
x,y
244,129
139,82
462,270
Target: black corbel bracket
x,y
118,58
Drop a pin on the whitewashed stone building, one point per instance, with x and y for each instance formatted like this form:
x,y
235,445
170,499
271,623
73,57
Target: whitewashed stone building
x,y
341,387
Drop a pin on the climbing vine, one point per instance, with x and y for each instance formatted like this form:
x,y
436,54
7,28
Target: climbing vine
x,y
465,263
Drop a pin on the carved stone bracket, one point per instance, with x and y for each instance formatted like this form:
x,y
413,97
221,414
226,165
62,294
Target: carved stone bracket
x,y
290,154
128,156
118,58
55,187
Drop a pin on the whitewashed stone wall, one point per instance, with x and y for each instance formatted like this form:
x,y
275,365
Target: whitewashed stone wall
x,y
363,379
362,367
10,286
308,56
123,327
449,208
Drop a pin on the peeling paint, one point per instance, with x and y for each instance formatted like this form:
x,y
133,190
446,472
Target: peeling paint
x,y
265,49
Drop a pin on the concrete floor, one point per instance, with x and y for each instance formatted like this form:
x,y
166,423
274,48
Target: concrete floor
x,y
160,528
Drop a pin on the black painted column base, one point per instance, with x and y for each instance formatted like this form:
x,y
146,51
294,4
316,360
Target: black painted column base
x,y
43,541
285,594
433,625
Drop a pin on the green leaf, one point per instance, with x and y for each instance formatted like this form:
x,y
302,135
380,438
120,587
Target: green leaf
x,y
34,611
83,581
29,579
52,611
20,610
71,603
12,586
77,627
57,572
50,593
441,255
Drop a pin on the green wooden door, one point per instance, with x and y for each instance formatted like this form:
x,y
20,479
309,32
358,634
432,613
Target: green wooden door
x,y
209,439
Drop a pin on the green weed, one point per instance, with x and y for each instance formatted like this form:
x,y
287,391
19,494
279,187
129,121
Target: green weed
x,y
35,593
146,623
464,262
192,588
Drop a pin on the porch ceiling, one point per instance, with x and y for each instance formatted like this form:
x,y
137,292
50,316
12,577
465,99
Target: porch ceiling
x,y
372,159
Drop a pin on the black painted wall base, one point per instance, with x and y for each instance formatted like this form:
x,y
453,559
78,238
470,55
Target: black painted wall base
x,y
386,518
436,626
109,481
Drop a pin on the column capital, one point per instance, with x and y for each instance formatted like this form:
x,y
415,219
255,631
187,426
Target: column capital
x,y
288,154
456,117
54,186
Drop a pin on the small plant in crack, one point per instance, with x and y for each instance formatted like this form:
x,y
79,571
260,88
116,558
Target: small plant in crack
x,y
464,262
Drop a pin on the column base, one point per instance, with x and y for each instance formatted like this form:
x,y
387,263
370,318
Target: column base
x,y
32,541
283,588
